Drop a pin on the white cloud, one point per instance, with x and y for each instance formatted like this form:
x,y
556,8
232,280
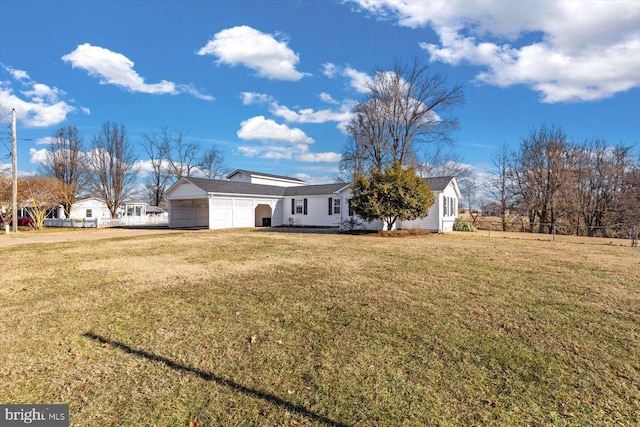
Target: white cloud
x,y
325,97
358,79
38,157
116,69
261,129
299,152
39,106
46,140
261,52
280,142
251,98
329,157
329,69
309,115
565,50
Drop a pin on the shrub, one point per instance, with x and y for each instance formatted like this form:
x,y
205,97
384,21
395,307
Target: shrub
x,y
463,225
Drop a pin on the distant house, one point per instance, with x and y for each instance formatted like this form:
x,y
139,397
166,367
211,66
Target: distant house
x,y
254,199
93,212
89,208
493,209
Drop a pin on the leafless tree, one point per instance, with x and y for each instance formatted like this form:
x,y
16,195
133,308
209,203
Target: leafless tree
x,y
67,162
500,186
157,148
596,182
538,172
212,164
406,108
182,156
112,161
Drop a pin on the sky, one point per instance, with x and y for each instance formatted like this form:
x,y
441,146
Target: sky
x,y
272,83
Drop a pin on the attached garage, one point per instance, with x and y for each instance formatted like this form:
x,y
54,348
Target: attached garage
x,y
188,205
215,204
189,213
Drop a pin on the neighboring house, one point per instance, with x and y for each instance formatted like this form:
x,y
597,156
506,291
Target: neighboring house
x,y
493,209
253,199
89,208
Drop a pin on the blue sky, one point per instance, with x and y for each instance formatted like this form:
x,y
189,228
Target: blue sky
x,y
271,83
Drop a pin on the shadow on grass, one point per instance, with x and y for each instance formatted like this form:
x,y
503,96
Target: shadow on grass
x,y
219,380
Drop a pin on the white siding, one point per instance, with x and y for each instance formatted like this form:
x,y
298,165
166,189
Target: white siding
x,y
437,219
234,212
98,209
317,212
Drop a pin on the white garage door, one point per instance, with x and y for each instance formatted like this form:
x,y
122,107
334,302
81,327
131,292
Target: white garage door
x,y
189,213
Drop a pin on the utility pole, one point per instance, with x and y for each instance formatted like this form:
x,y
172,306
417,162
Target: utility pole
x,y
14,172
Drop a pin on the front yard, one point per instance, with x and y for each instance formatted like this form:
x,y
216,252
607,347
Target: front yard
x,y
255,327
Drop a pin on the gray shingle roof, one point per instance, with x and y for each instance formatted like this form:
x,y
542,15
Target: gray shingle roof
x,y
235,187
438,183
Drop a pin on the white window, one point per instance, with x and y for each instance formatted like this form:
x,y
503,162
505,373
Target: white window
x,y
88,213
299,206
336,206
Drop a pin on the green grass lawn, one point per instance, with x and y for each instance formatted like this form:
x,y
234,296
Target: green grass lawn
x,y
253,327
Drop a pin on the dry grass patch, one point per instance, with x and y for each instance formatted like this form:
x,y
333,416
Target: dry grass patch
x,y
247,327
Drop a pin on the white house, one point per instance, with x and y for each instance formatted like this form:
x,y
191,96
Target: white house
x,y
253,199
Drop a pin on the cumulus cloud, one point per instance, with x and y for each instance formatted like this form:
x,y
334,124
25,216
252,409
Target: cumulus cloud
x,y
38,157
299,152
329,69
264,53
325,97
36,105
251,98
116,69
309,115
279,142
260,128
357,79
565,50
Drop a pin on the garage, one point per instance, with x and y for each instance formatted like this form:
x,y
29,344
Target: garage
x,y
189,213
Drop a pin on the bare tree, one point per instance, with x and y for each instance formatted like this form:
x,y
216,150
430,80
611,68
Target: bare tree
x,y
406,107
157,148
212,164
538,172
500,185
112,161
597,179
66,161
182,156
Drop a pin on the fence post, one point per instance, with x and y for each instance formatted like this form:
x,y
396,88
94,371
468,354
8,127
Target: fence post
x,y
553,231
489,228
634,236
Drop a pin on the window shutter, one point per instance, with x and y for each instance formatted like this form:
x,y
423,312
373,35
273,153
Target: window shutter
x,y
293,206
330,205
304,206
350,208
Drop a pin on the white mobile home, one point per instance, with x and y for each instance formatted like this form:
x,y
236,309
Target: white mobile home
x,y
253,199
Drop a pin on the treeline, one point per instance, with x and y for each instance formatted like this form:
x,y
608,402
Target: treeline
x,y
556,182
109,169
